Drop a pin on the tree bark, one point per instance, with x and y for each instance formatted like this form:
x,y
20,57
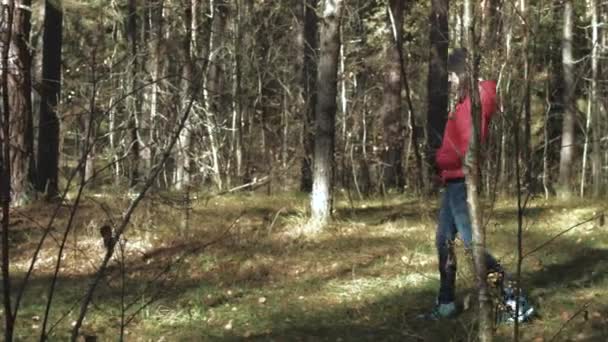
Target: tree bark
x,y
392,119
527,141
20,89
5,180
133,97
184,141
437,81
473,181
490,31
325,115
308,81
567,142
156,47
359,155
214,89
240,48
596,114
48,127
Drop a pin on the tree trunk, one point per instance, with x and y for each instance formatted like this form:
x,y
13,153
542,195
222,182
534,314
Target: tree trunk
x,y
418,175
236,141
133,97
413,141
5,176
20,104
527,141
392,118
545,175
156,65
555,100
88,133
473,180
308,81
596,133
215,85
48,128
358,155
343,141
490,31
437,81
567,145
325,115
184,141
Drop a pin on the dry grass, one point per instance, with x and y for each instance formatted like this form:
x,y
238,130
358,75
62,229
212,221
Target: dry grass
x,y
365,277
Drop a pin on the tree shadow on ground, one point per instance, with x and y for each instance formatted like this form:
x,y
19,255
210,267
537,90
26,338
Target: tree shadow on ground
x,y
510,214
394,318
585,268
391,318
385,213
388,318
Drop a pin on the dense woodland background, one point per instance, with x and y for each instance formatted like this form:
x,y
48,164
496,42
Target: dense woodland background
x,y
201,98
108,82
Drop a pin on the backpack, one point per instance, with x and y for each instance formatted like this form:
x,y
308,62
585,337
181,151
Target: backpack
x,y
507,305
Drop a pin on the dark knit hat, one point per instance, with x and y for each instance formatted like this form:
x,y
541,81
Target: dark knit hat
x,y
457,61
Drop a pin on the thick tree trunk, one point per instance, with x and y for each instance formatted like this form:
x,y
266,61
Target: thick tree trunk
x,y
567,146
48,128
325,115
392,119
309,74
473,180
437,81
20,104
6,27
555,101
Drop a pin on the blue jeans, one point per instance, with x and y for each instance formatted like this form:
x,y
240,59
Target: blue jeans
x,y
454,218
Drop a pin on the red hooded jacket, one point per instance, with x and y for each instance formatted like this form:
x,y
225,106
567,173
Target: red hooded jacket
x,y
450,156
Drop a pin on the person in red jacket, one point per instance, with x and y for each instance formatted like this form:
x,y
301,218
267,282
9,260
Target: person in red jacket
x,y
454,218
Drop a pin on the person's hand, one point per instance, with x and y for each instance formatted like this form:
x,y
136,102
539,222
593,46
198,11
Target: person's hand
x,y
436,180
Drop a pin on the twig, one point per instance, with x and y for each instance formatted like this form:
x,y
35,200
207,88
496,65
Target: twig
x,y
47,232
83,182
544,244
274,220
581,310
127,218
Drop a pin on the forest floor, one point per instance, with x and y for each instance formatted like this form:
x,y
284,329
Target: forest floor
x,y
234,268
